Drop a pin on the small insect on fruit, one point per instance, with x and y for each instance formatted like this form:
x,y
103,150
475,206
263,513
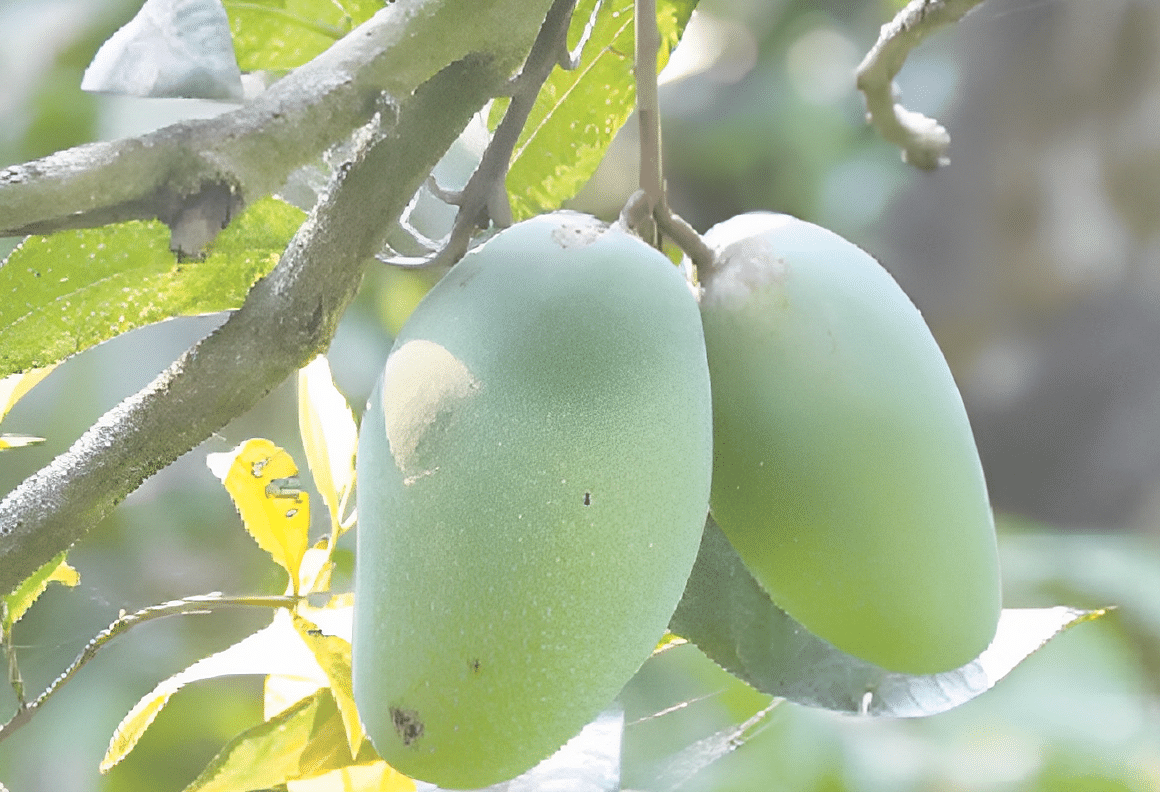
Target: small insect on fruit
x,y
845,472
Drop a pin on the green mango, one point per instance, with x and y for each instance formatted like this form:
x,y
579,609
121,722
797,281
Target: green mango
x,y
533,480
845,472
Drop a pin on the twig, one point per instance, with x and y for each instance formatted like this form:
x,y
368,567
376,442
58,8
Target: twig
x,y
484,199
197,604
924,142
660,218
288,318
569,59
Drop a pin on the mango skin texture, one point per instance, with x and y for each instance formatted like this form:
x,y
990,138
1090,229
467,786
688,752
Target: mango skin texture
x,y
845,472
533,480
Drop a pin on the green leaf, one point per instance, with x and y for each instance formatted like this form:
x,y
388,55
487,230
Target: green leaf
x,y
305,740
730,618
578,112
284,34
276,649
69,291
17,603
262,481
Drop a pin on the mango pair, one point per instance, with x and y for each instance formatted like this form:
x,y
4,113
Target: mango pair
x,y
551,427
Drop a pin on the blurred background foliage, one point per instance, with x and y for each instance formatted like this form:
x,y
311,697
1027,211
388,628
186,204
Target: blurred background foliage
x,y
1035,256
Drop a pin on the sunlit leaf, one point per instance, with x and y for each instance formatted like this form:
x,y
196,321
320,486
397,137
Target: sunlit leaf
x,y
8,441
374,777
284,34
316,568
67,292
19,601
578,112
305,740
329,436
280,693
14,387
262,480
335,619
727,614
1097,567
333,655
276,649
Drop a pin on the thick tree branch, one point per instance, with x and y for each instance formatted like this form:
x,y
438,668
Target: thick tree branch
x,y
923,140
250,151
289,316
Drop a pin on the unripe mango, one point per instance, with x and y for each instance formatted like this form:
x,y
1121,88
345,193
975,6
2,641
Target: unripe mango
x,y
533,479
845,472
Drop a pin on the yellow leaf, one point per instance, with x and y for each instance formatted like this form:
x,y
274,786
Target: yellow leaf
x,y
336,618
133,725
668,641
262,480
274,650
12,389
375,777
18,441
314,573
20,600
333,654
280,693
14,386
306,740
329,436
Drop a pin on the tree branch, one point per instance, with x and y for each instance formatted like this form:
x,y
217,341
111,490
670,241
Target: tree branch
x,y
923,140
290,315
250,151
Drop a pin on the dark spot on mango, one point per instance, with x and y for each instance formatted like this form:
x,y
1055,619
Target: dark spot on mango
x,y
408,724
